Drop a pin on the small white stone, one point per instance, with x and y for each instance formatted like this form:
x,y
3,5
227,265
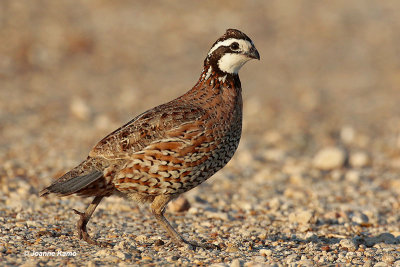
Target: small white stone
x,y
347,134
120,255
262,175
80,109
291,258
141,239
218,265
217,215
103,252
388,258
359,217
380,264
329,158
305,263
121,245
275,155
349,244
266,252
301,217
32,223
259,259
359,159
311,236
353,176
275,203
367,263
235,263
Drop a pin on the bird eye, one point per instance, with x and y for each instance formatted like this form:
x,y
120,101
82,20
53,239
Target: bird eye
x,y
234,46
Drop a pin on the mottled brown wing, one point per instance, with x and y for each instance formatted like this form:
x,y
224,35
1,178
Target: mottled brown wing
x,y
145,129
185,156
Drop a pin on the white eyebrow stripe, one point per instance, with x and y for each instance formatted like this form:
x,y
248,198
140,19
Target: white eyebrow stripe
x,y
226,42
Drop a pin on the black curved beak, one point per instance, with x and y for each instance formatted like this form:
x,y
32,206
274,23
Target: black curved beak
x,y
253,53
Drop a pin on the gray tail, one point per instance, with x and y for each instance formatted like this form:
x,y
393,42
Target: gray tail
x,y
72,185
78,178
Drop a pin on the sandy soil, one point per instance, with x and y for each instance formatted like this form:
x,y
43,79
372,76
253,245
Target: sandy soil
x,y
314,181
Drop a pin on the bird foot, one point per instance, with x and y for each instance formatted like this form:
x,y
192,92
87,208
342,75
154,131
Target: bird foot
x,y
191,245
202,245
83,234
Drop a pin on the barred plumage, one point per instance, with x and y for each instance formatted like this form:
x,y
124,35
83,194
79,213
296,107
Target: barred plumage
x,y
171,148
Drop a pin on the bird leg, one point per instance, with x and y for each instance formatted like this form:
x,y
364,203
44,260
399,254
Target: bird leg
x,y
157,209
84,219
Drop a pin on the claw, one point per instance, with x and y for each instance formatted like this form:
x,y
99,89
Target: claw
x,y
84,219
195,245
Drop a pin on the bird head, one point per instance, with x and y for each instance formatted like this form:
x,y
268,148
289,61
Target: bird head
x,y
231,51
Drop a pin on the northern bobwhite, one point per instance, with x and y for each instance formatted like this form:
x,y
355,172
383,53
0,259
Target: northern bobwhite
x,y
171,148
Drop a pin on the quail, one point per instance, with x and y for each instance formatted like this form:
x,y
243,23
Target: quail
x,y
170,148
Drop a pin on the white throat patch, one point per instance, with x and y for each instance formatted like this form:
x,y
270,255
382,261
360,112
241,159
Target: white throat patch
x,y
231,63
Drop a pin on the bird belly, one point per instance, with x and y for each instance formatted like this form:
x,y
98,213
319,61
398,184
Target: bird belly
x,y
154,172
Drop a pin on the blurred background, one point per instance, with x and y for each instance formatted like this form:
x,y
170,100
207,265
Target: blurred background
x,y
72,71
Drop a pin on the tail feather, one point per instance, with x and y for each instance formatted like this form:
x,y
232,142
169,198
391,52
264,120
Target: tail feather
x,y
71,185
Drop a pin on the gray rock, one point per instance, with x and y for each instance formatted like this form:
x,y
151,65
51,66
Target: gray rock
x,y
386,238
359,217
349,244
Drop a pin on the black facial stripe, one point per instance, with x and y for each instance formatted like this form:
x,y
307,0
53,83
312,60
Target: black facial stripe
x,y
212,60
222,50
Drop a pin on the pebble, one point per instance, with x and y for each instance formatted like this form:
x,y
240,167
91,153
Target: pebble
x,y
102,252
80,109
266,252
349,244
353,176
217,215
380,264
236,263
232,248
367,263
388,258
359,217
329,158
347,134
141,239
121,255
386,238
301,217
305,263
180,204
359,159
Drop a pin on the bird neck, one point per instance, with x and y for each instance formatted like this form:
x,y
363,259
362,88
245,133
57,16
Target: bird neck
x,y
216,80
213,90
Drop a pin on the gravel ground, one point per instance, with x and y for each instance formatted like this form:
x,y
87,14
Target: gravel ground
x,y
314,181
